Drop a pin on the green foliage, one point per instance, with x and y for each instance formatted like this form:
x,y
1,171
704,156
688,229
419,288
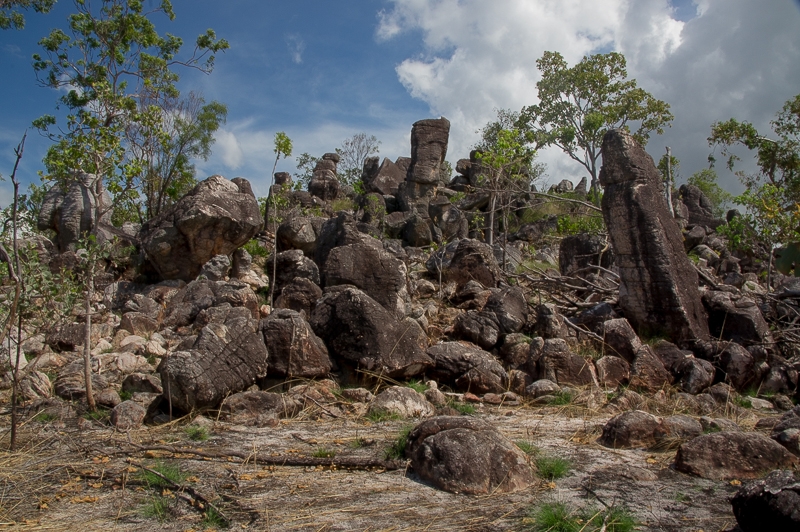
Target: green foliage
x,y
97,415
378,415
787,260
561,398
212,519
45,417
742,402
324,452
527,447
463,408
196,433
560,517
305,168
740,234
342,204
352,154
579,104
125,395
172,472
552,467
772,196
115,72
417,385
573,224
10,17
157,508
398,448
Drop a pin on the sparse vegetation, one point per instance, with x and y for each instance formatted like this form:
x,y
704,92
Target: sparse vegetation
x,y
527,447
463,408
171,472
157,508
196,433
324,452
561,517
379,415
552,467
212,519
397,450
417,385
45,417
561,398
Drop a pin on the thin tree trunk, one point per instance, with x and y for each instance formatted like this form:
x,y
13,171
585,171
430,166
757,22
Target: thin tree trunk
x,y
669,183
15,386
87,338
490,237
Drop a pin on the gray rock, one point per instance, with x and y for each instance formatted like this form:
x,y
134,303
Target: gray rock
x,y
290,265
658,284
466,455
557,363
301,295
468,367
580,251
612,372
473,261
402,401
128,415
631,429
648,372
738,320
324,184
294,350
699,206
257,408
772,503
542,387
217,268
142,383
300,232
731,455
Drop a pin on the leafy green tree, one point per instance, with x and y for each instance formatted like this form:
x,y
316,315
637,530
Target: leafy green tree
x,y
305,168
497,131
579,104
282,147
352,154
10,16
110,56
706,181
772,195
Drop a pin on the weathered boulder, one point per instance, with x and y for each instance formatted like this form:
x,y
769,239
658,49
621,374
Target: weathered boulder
x,y
372,270
128,415
324,183
557,363
612,371
541,388
257,408
428,151
787,431
630,429
468,367
198,296
73,212
580,251
731,455
215,218
217,268
402,401
224,358
738,320
342,231
659,290
359,330
294,349
299,232
701,210
480,328
772,503
142,383
290,265
385,179
694,375
473,261
620,339
647,371
467,455
449,219
301,295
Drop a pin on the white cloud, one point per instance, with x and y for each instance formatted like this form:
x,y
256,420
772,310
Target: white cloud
x,y
296,47
736,58
228,147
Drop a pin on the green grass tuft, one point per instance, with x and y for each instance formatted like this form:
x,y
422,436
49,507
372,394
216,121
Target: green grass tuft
x,y
323,452
552,467
398,448
157,508
212,519
561,399
195,433
463,408
379,415
171,472
560,517
527,447
417,385
45,417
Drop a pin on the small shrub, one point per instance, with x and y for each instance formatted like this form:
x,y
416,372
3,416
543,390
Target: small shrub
x,y
157,508
172,472
195,433
379,415
125,395
212,519
398,449
255,249
462,408
323,452
417,386
743,402
559,517
561,398
342,204
527,447
552,467
358,442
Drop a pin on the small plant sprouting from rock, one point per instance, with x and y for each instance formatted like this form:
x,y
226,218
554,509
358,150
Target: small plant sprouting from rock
x,y
398,448
195,433
463,408
552,467
560,517
417,386
324,452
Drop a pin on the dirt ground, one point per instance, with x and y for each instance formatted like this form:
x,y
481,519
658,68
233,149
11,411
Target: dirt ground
x,y
82,475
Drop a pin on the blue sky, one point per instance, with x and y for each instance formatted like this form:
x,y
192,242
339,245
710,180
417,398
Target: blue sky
x,y
323,70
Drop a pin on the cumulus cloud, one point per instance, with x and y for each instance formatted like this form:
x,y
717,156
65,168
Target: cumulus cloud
x,y
228,147
734,58
296,47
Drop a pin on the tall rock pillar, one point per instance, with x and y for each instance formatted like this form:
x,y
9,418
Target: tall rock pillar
x,y
659,290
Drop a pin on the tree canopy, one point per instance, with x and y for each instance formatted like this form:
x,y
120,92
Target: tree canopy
x,y
772,195
11,17
579,104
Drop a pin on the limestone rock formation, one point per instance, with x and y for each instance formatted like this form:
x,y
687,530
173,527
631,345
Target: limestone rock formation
x,y
658,284
294,349
215,218
324,183
772,503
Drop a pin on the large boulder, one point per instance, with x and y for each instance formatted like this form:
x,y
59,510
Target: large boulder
x,y
372,270
699,206
731,455
359,330
659,290
384,179
294,349
401,401
225,358
468,367
555,362
289,265
580,251
71,213
473,261
738,320
772,503
467,455
189,302
301,295
215,218
428,150
324,184
299,232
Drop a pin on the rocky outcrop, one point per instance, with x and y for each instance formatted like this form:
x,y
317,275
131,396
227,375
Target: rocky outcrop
x,y
401,401
658,284
360,331
468,367
428,151
324,183
473,261
226,357
699,207
215,218
384,179
294,349
467,455
772,503
73,212
291,265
